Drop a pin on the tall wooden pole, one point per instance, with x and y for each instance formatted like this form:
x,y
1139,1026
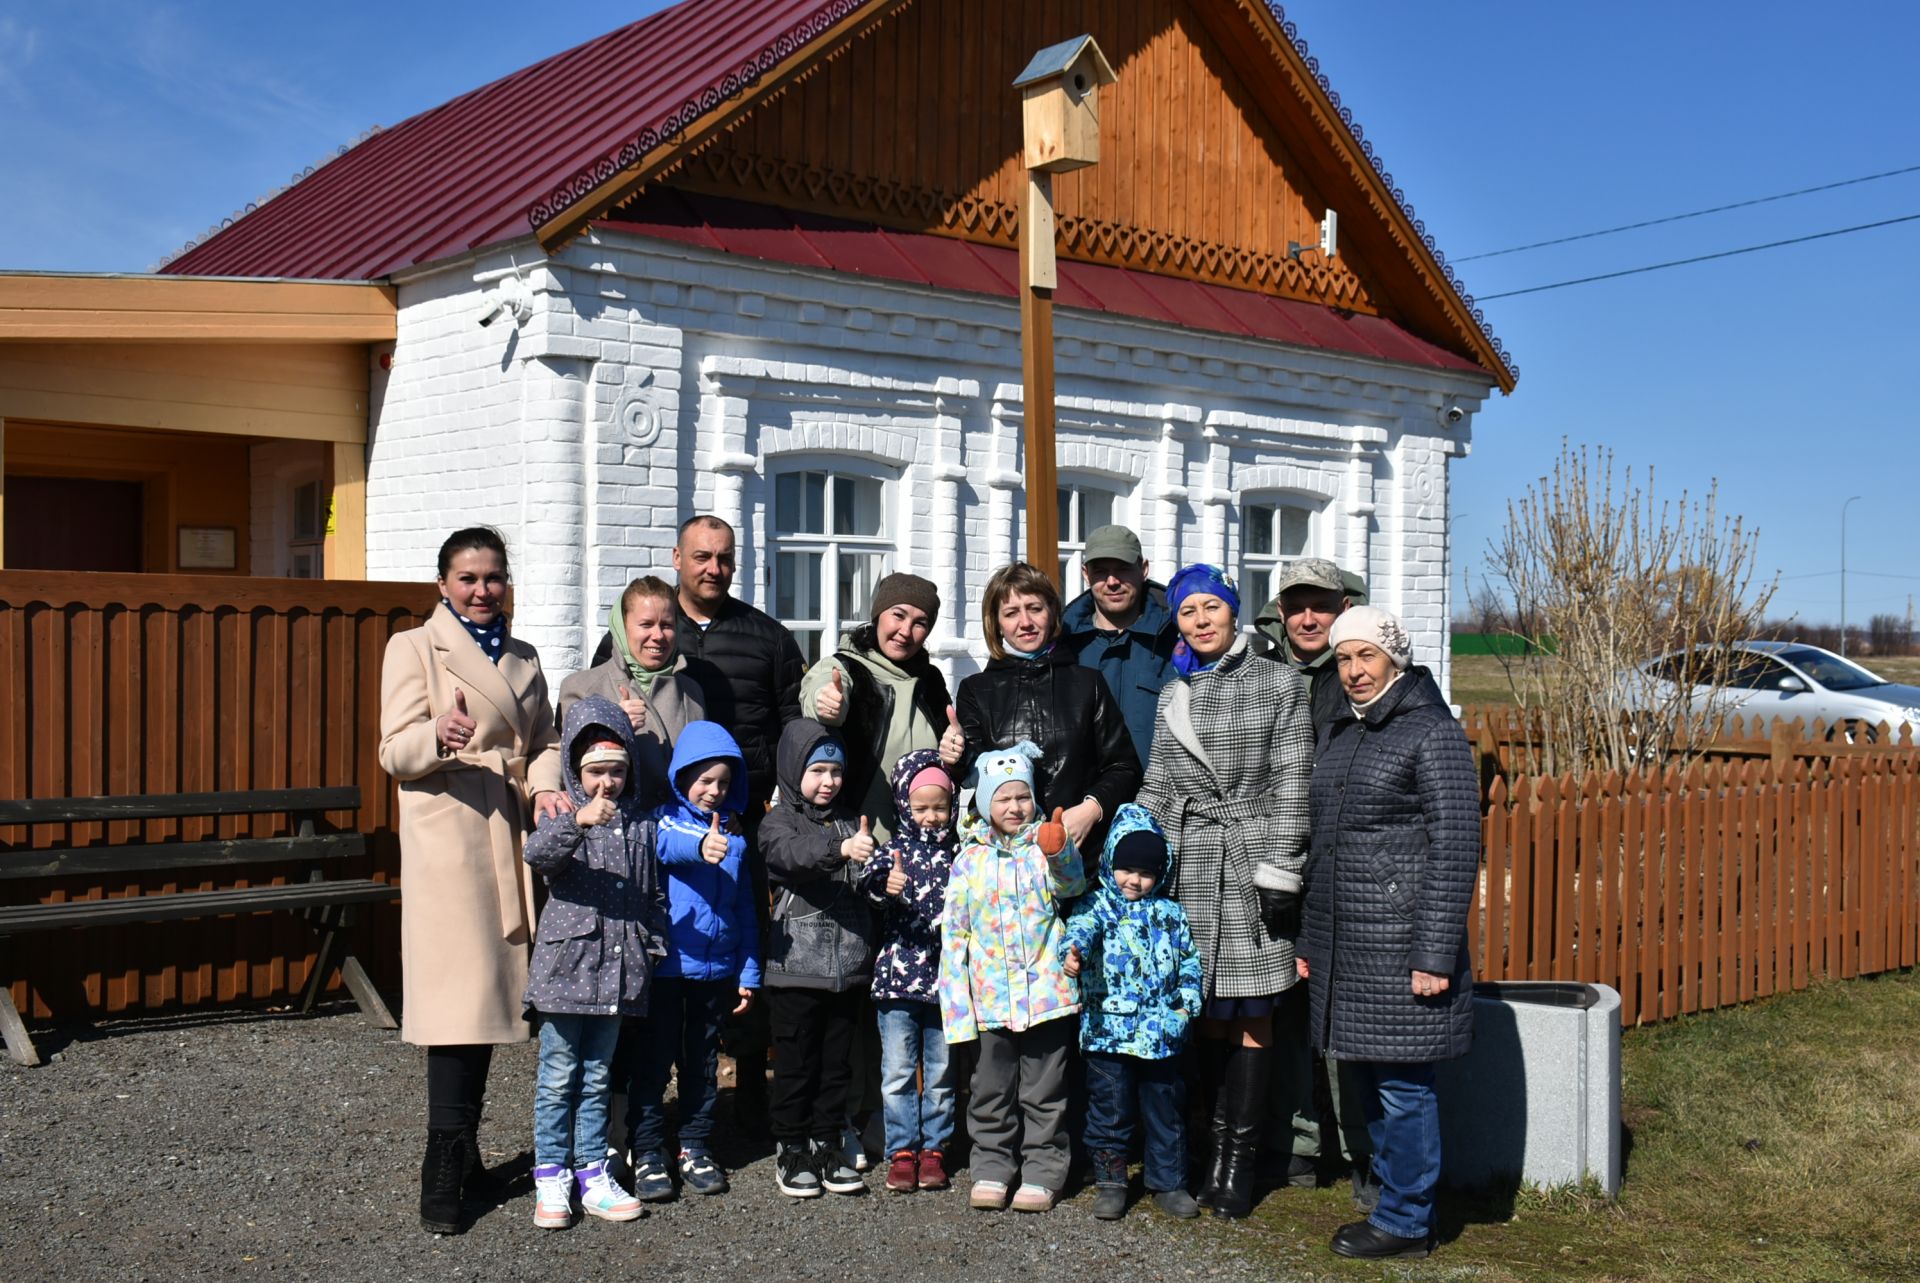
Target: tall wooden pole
x,y
1037,282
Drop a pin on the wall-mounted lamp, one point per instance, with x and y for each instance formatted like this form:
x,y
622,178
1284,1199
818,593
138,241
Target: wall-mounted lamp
x,y
1329,245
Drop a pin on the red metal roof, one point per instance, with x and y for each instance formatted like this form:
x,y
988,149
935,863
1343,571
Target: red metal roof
x,y
811,240
465,174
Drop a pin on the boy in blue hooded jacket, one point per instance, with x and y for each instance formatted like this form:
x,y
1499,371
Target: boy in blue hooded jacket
x,y
1140,987
712,967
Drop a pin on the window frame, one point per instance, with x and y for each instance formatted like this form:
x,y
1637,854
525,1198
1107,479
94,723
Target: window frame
x,y
1072,555
818,637
1264,568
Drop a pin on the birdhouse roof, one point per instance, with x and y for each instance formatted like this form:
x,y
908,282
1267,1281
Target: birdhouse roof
x,y
1058,60
1223,147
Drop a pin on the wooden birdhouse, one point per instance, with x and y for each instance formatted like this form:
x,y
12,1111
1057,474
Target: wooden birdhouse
x,y
1060,92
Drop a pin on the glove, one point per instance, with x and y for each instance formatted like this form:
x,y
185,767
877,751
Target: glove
x,y
1280,910
1052,835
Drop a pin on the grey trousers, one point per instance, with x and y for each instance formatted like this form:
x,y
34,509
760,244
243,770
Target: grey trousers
x,y
1298,1114
1018,1112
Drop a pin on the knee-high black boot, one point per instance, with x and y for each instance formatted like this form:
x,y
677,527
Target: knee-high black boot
x,y
1245,1098
1213,1065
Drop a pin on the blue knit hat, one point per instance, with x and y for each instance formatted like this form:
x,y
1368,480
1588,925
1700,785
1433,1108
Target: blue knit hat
x,y
993,770
827,750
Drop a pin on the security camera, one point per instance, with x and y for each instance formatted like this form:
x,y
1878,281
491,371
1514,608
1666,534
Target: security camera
x,y
495,312
1450,414
510,299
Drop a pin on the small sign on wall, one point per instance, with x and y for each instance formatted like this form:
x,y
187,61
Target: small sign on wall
x,y
208,547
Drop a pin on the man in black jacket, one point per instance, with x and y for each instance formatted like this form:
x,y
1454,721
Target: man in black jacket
x,y
748,667
1310,594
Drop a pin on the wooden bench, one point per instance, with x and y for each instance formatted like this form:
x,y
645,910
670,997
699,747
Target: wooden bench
x,y
324,902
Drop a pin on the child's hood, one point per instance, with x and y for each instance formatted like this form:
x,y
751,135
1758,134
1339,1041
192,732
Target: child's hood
x,y
910,765
702,742
797,742
1132,818
591,719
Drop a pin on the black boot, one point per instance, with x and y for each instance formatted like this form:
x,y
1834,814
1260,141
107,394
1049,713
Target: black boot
x,y
476,1182
1213,1063
441,1172
1110,1185
1245,1097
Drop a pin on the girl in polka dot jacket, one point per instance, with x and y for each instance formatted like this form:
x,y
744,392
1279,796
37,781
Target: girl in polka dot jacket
x,y
604,923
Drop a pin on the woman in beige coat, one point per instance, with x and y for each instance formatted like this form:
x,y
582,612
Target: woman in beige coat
x,y
646,676
466,729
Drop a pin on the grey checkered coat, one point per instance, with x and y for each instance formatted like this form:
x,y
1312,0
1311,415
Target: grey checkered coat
x,y
1228,780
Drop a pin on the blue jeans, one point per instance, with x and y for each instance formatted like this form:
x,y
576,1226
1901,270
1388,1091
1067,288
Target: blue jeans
x,y
681,1030
1114,1084
1403,1122
570,1099
911,1040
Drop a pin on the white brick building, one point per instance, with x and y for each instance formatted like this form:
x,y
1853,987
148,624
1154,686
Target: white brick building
x,y
642,365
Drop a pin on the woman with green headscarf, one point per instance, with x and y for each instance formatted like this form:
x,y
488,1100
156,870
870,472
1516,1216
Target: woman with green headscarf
x,y
644,677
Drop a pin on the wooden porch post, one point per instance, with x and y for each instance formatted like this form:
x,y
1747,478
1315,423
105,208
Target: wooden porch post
x,y
1060,118
1036,371
345,549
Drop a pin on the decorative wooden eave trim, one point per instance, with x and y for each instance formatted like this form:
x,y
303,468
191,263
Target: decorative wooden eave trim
x,y
567,211
54,308
1335,122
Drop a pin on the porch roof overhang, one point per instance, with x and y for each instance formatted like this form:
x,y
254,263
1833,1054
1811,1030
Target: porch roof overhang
x,y
59,307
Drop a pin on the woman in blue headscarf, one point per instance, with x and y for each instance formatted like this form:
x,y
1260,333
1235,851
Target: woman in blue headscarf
x,y
1228,781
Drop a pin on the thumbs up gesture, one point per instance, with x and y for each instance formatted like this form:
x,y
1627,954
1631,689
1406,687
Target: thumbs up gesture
x,y
953,741
598,811
830,705
859,848
713,847
1052,835
635,709
454,728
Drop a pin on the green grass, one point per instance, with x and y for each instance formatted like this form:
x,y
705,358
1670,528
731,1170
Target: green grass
x,y
1479,679
1778,1141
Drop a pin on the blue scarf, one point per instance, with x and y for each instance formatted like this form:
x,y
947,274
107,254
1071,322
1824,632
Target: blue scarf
x,y
491,638
1188,580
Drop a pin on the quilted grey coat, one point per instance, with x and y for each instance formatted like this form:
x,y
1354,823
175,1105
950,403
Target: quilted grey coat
x,y
1390,878
1227,779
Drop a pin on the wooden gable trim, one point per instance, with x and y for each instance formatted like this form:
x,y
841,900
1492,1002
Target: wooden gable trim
x,y
1438,296
56,308
565,214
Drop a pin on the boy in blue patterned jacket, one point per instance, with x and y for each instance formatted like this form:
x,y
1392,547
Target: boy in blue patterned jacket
x,y
1140,986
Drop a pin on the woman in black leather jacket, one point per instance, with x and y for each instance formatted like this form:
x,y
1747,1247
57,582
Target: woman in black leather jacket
x,y
1033,688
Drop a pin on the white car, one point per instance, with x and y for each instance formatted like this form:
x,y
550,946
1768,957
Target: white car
x,y
1781,681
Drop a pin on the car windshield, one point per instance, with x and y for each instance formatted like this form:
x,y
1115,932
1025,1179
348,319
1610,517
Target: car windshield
x,y
1831,671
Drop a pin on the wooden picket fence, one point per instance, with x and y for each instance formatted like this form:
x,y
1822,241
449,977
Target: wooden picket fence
x,y
1739,878
158,684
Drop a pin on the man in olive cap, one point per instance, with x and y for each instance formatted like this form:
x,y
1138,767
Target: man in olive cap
x,y
1121,626
1310,594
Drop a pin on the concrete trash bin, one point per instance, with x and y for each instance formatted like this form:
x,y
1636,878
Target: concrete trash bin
x,y
1537,1100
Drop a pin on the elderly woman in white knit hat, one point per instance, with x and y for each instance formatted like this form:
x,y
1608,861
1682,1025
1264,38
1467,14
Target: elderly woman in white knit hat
x,y
1389,883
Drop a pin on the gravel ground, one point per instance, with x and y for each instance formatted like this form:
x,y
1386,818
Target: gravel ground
x,y
251,1145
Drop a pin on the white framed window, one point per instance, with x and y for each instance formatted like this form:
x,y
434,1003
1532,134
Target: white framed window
x,y
831,545
1083,508
1272,533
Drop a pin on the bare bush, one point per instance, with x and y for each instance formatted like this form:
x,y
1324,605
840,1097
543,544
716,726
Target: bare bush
x,y
1601,576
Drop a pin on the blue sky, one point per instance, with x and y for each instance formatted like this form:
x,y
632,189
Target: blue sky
x,y
127,129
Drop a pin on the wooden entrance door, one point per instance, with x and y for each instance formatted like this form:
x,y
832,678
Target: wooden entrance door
x,y
71,523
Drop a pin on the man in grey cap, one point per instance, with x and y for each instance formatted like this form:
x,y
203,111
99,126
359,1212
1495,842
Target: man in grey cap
x,y
1310,594
1121,626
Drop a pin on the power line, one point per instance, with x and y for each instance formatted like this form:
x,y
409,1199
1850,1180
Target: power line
x,y
1699,258
1698,213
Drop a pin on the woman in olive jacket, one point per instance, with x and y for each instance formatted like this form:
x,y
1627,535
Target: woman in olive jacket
x,y
1389,884
1034,688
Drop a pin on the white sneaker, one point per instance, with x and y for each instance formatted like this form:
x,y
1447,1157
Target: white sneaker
x,y
853,1148
552,1197
601,1196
